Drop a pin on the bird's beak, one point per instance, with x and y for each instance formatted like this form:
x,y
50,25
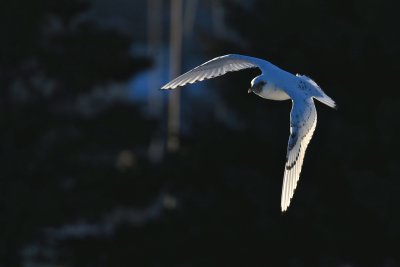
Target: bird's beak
x,y
250,90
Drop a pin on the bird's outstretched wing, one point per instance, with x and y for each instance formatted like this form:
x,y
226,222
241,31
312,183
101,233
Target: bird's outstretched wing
x,y
215,67
303,119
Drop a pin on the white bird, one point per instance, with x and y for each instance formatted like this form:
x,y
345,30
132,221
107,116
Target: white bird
x,y
275,84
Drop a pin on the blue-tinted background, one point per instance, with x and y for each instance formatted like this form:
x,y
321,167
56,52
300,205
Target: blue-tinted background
x,y
85,175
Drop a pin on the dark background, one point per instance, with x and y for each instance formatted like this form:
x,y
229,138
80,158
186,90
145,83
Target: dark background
x,y
81,185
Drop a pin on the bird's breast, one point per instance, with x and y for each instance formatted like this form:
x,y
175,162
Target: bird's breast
x,y
270,91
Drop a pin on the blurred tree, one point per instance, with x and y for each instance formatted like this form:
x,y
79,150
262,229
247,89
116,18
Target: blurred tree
x,y
65,126
71,159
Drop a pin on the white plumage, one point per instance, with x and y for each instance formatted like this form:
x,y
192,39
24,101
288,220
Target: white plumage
x,y
275,84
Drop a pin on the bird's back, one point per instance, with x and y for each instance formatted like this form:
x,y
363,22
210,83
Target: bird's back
x,y
310,87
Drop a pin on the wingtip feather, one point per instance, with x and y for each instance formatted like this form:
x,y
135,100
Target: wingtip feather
x,y
336,107
168,87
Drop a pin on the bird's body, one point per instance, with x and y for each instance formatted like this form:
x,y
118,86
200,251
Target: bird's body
x,y
273,92
274,84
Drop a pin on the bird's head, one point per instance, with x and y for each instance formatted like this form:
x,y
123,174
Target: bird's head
x,y
257,85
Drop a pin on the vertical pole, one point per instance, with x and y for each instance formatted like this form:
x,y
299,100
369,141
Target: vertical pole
x,y
189,17
154,34
155,101
217,17
175,66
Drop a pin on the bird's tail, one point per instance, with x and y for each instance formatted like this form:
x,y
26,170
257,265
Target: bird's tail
x,y
327,101
319,94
